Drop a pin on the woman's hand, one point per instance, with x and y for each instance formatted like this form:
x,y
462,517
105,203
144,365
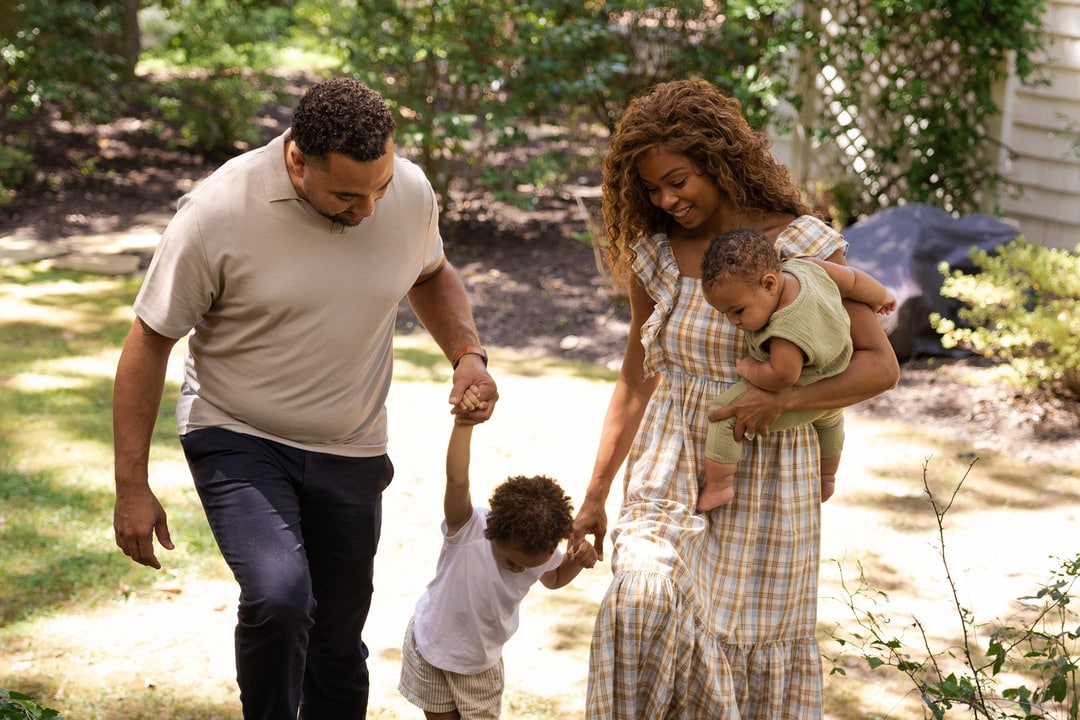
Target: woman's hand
x,y
591,520
754,411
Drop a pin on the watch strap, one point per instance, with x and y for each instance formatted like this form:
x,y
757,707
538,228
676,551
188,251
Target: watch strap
x,y
468,350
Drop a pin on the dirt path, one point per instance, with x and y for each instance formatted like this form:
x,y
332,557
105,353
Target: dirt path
x,y
175,643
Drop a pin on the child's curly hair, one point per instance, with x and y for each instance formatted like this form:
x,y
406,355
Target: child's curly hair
x,y
694,118
532,513
740,255
345,116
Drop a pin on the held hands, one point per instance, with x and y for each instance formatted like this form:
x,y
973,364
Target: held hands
x,y
591,520
582,553
470,401
471,373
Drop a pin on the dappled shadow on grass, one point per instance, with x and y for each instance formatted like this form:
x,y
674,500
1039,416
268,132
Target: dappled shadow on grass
x,y
418,359
994,480
138,701
61,331
53,554
577,610
73,406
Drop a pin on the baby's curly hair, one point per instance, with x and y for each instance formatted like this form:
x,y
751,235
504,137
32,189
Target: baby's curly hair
x,y
532,513
694,118
345,116
739,255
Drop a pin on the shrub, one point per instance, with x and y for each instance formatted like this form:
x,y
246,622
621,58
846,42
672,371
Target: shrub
x,y
1040,652
16,706
219,52
1020,307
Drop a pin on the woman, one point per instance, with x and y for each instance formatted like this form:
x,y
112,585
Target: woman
x,y
708,615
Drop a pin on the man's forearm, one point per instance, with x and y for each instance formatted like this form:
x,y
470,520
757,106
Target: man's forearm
x,y
442,305
137,391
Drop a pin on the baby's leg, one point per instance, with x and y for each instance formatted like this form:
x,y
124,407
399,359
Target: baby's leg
x,y
722,453
829,466
719,486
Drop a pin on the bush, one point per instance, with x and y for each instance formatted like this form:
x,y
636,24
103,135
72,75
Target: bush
x,y
1040,652
16,166
16,706
1020,307
218,52
211,112
471,82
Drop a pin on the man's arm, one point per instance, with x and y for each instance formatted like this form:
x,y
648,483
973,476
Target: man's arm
x,y
441,304
137,390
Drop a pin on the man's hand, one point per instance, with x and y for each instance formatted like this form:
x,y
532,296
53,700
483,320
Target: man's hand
x,y
471,372
137,518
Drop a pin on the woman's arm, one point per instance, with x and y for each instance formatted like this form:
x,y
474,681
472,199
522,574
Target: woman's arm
x,y
624,413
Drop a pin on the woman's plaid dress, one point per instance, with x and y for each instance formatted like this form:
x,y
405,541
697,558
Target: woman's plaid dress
x,y
709,616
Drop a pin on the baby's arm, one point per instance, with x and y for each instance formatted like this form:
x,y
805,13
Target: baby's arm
x,y
854,284
780,371
576,558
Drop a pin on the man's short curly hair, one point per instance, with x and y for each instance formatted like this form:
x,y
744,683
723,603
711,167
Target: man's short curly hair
x,y
741,255
532,513
344,116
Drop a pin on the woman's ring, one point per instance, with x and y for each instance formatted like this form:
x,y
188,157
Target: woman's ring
x,y
749,436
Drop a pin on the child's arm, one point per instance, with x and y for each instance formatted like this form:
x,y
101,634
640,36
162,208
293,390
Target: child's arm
x,y
780,371
457,501
854,284
583,556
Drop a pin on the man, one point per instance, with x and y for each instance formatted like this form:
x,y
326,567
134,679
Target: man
x,y
288,281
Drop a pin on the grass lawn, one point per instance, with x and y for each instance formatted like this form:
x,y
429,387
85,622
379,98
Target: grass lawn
x,y
85,630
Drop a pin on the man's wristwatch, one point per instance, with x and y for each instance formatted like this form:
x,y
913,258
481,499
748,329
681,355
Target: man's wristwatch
x,y
468,350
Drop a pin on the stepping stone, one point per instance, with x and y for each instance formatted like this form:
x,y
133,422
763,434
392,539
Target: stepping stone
x,y
97,263
20,248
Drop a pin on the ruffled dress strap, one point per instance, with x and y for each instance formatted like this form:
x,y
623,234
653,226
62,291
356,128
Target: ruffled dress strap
x,y
654,264
808,235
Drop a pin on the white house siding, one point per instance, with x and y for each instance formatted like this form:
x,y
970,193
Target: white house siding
x,y
1043,138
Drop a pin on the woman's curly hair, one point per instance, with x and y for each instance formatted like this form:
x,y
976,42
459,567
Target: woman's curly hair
x,y
532,513
345,116
694,118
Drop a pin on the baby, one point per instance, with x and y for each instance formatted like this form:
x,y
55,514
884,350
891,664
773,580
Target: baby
x,y
798,333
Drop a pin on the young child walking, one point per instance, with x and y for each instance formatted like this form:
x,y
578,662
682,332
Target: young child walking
x,y
798,332
452,665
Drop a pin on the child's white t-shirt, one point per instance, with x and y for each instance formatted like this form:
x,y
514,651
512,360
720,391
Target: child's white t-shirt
x,y
470,609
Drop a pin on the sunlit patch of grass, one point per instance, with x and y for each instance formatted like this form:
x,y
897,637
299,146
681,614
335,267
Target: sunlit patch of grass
x,y
417,358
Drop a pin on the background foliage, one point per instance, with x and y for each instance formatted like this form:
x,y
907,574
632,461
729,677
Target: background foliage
x,y
909,91
471,80
1022,306
908,85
